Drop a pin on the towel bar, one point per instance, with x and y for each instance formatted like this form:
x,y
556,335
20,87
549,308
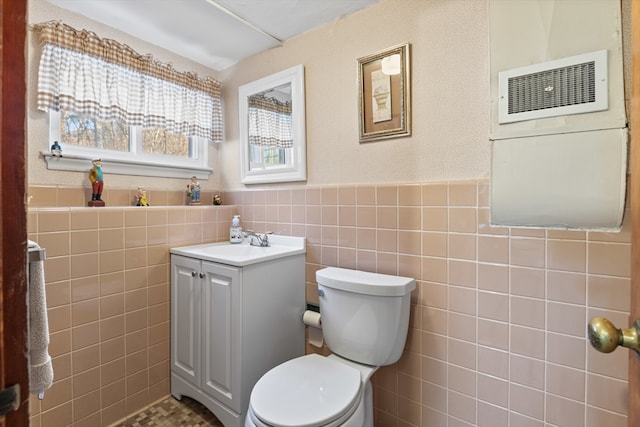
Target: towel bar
x,y
37,254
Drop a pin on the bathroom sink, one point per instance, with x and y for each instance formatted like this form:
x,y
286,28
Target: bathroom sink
x,y
241,254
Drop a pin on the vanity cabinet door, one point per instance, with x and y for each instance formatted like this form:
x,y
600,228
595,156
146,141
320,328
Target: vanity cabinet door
x,y
185,318
220,318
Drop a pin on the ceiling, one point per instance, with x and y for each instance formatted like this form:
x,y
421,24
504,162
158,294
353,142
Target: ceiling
x,y
214,33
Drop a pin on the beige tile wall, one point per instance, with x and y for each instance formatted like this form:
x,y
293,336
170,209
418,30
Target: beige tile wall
x,y
498,320
107,283
62,196
497,334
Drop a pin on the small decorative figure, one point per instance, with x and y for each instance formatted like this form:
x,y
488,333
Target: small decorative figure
x,y
95,176
56,150
193,190
141,197
217,200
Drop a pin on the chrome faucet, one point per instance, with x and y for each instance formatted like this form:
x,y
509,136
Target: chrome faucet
x,y
262,241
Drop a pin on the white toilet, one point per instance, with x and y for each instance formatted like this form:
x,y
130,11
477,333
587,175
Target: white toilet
x,y
365,317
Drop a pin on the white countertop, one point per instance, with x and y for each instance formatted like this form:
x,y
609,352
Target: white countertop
x,y
241,254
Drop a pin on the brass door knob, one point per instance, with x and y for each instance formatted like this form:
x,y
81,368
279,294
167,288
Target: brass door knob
x,y
605,337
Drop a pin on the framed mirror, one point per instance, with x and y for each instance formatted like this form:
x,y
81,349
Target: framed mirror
x,y
272,128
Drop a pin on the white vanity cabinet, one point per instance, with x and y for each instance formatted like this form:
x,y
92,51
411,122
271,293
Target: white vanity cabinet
x,y
229,325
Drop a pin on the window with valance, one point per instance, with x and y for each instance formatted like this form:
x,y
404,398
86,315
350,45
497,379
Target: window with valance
x,y
82,74
270,122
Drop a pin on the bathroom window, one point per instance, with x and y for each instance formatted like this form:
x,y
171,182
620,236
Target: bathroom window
x,y
160,120
87,131
270,128
124,149
267,158
163,142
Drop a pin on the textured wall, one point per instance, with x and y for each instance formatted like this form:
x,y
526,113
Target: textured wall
x,y
450,94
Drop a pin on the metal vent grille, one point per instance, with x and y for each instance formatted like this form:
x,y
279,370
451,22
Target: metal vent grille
x,y
559,87
571,85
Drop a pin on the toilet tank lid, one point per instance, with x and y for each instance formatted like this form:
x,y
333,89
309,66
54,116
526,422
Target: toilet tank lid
x,y
364,282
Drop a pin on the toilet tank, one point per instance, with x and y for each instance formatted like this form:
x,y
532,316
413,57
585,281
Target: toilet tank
x,y
365,316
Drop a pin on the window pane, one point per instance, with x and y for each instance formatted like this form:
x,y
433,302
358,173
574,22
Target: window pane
x,y
87,131
159,141
274,156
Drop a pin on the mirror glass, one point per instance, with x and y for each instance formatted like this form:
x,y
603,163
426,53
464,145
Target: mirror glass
x,y
272,128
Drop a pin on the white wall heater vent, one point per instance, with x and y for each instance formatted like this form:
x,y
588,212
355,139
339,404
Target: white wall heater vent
x,y
572,85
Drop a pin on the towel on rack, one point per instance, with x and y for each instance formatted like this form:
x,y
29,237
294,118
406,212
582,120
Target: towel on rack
x,y
40,367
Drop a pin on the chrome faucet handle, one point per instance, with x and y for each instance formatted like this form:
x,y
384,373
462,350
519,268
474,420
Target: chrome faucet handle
x,y
259,240
265,239
254,237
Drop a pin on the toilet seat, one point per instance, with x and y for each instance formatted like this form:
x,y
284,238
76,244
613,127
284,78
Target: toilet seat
x,y
308,391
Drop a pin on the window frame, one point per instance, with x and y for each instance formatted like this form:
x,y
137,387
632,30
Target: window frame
x,y
259,163
132,162
295,168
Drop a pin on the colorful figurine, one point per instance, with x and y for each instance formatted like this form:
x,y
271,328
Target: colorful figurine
x,y
141,197
56,150
95,176
193,190
217,200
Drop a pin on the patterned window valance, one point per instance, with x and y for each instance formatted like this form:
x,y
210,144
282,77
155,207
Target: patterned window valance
x,y
83,73
270,122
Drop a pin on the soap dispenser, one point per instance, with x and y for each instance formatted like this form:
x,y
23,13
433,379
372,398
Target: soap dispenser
x,y
235,232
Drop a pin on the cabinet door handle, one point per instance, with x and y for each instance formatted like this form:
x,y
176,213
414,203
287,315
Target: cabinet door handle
x,y
202,275
193,273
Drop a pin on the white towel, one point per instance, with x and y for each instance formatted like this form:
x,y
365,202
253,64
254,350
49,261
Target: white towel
x,y
40,367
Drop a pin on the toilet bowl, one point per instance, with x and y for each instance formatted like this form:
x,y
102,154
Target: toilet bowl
x,y
364,321
312,391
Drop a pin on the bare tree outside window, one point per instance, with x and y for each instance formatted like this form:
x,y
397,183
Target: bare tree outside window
x,y
159,141
87,131
274,156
